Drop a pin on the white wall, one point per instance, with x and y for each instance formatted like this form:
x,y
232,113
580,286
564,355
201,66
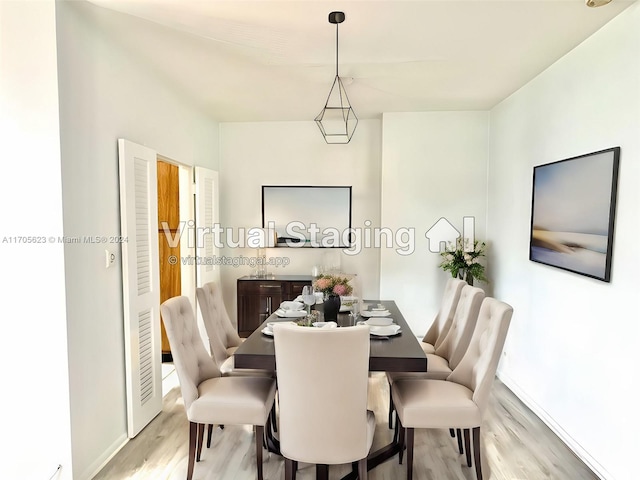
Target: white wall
x,y
433,165
294,153
107,92
35,395
572,345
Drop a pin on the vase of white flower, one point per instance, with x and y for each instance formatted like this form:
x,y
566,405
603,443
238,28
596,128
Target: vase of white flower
x,y
462,260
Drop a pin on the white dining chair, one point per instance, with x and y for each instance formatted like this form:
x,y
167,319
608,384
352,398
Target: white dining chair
x,y
461,400
442,322
322,389
449,353
208,397
214,317
214,303
440,326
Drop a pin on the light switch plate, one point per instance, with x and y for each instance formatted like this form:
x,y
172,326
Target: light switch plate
x,y
110,258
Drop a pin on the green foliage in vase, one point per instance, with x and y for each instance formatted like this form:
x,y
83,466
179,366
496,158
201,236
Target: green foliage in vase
x,y
464,262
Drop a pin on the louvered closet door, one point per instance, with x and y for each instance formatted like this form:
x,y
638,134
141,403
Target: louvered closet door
x,y
206,217
141,283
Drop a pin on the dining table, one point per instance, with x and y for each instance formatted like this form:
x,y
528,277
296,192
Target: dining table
x,y
395,353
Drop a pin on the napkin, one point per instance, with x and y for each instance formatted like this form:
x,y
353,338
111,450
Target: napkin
x,y
325,324
290,313
375,313
291,305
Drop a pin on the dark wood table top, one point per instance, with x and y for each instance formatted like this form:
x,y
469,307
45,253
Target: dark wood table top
x,y
400,353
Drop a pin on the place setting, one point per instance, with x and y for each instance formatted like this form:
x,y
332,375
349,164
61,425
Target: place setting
x,y
305,322
377,311
291,309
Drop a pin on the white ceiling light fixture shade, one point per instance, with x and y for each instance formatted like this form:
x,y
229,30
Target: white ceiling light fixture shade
x,y
596,3
337,120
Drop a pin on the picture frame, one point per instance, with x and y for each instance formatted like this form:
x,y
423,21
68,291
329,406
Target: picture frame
x,y
316,216
573,209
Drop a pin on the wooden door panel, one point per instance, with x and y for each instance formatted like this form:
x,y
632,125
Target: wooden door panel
x,y
169,212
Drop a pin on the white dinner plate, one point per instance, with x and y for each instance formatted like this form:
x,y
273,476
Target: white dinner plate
x,y
379,321
268,330
386,331
375,313
290,313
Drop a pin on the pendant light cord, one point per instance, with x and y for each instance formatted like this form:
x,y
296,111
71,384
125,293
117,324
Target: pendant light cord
x,y
337,49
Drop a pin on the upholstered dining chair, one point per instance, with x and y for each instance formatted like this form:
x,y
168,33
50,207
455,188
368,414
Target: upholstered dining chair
x,y
211,294
215,318
208,397
441,324
322,389
437,333
461,400
450,351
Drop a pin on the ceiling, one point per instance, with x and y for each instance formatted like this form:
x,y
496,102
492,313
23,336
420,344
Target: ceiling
x,y
269,60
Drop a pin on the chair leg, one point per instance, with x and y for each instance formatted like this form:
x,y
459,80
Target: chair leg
x,y
288,469
322,471
362,469
193,437
209,434
459,434
390,408
259,437
395,431
200,438
295,469
476,452
467,446
410,435
452,432
274,423
401,438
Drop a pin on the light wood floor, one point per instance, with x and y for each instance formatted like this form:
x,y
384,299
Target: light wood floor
x,y
516,446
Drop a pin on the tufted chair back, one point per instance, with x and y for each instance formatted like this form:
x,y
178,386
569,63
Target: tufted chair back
x,y
193,363
440,326
213,293
211,315
478,367
464,320
322,385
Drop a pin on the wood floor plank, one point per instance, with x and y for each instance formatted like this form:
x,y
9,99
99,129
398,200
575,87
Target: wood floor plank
x,y
516,446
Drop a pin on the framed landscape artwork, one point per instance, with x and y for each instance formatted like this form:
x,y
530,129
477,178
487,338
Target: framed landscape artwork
x,y
573,212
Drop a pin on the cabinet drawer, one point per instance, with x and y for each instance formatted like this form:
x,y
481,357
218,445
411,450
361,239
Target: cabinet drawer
x,y
258,287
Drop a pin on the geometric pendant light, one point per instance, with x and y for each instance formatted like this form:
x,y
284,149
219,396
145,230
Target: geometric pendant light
x,y
337,120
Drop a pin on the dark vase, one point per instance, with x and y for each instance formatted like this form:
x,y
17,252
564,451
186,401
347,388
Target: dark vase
x,y
331,308
466,276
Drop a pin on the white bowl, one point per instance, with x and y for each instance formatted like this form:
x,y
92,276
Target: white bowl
x,y
292,305
379,321
325,324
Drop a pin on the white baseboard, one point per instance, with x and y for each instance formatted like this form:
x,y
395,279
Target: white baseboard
x,y
100,462
573,445
168,382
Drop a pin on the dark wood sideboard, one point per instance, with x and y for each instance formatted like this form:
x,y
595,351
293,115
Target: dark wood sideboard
x,y
260,297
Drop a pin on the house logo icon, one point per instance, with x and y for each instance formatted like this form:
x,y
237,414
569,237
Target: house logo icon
x,y
443,233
